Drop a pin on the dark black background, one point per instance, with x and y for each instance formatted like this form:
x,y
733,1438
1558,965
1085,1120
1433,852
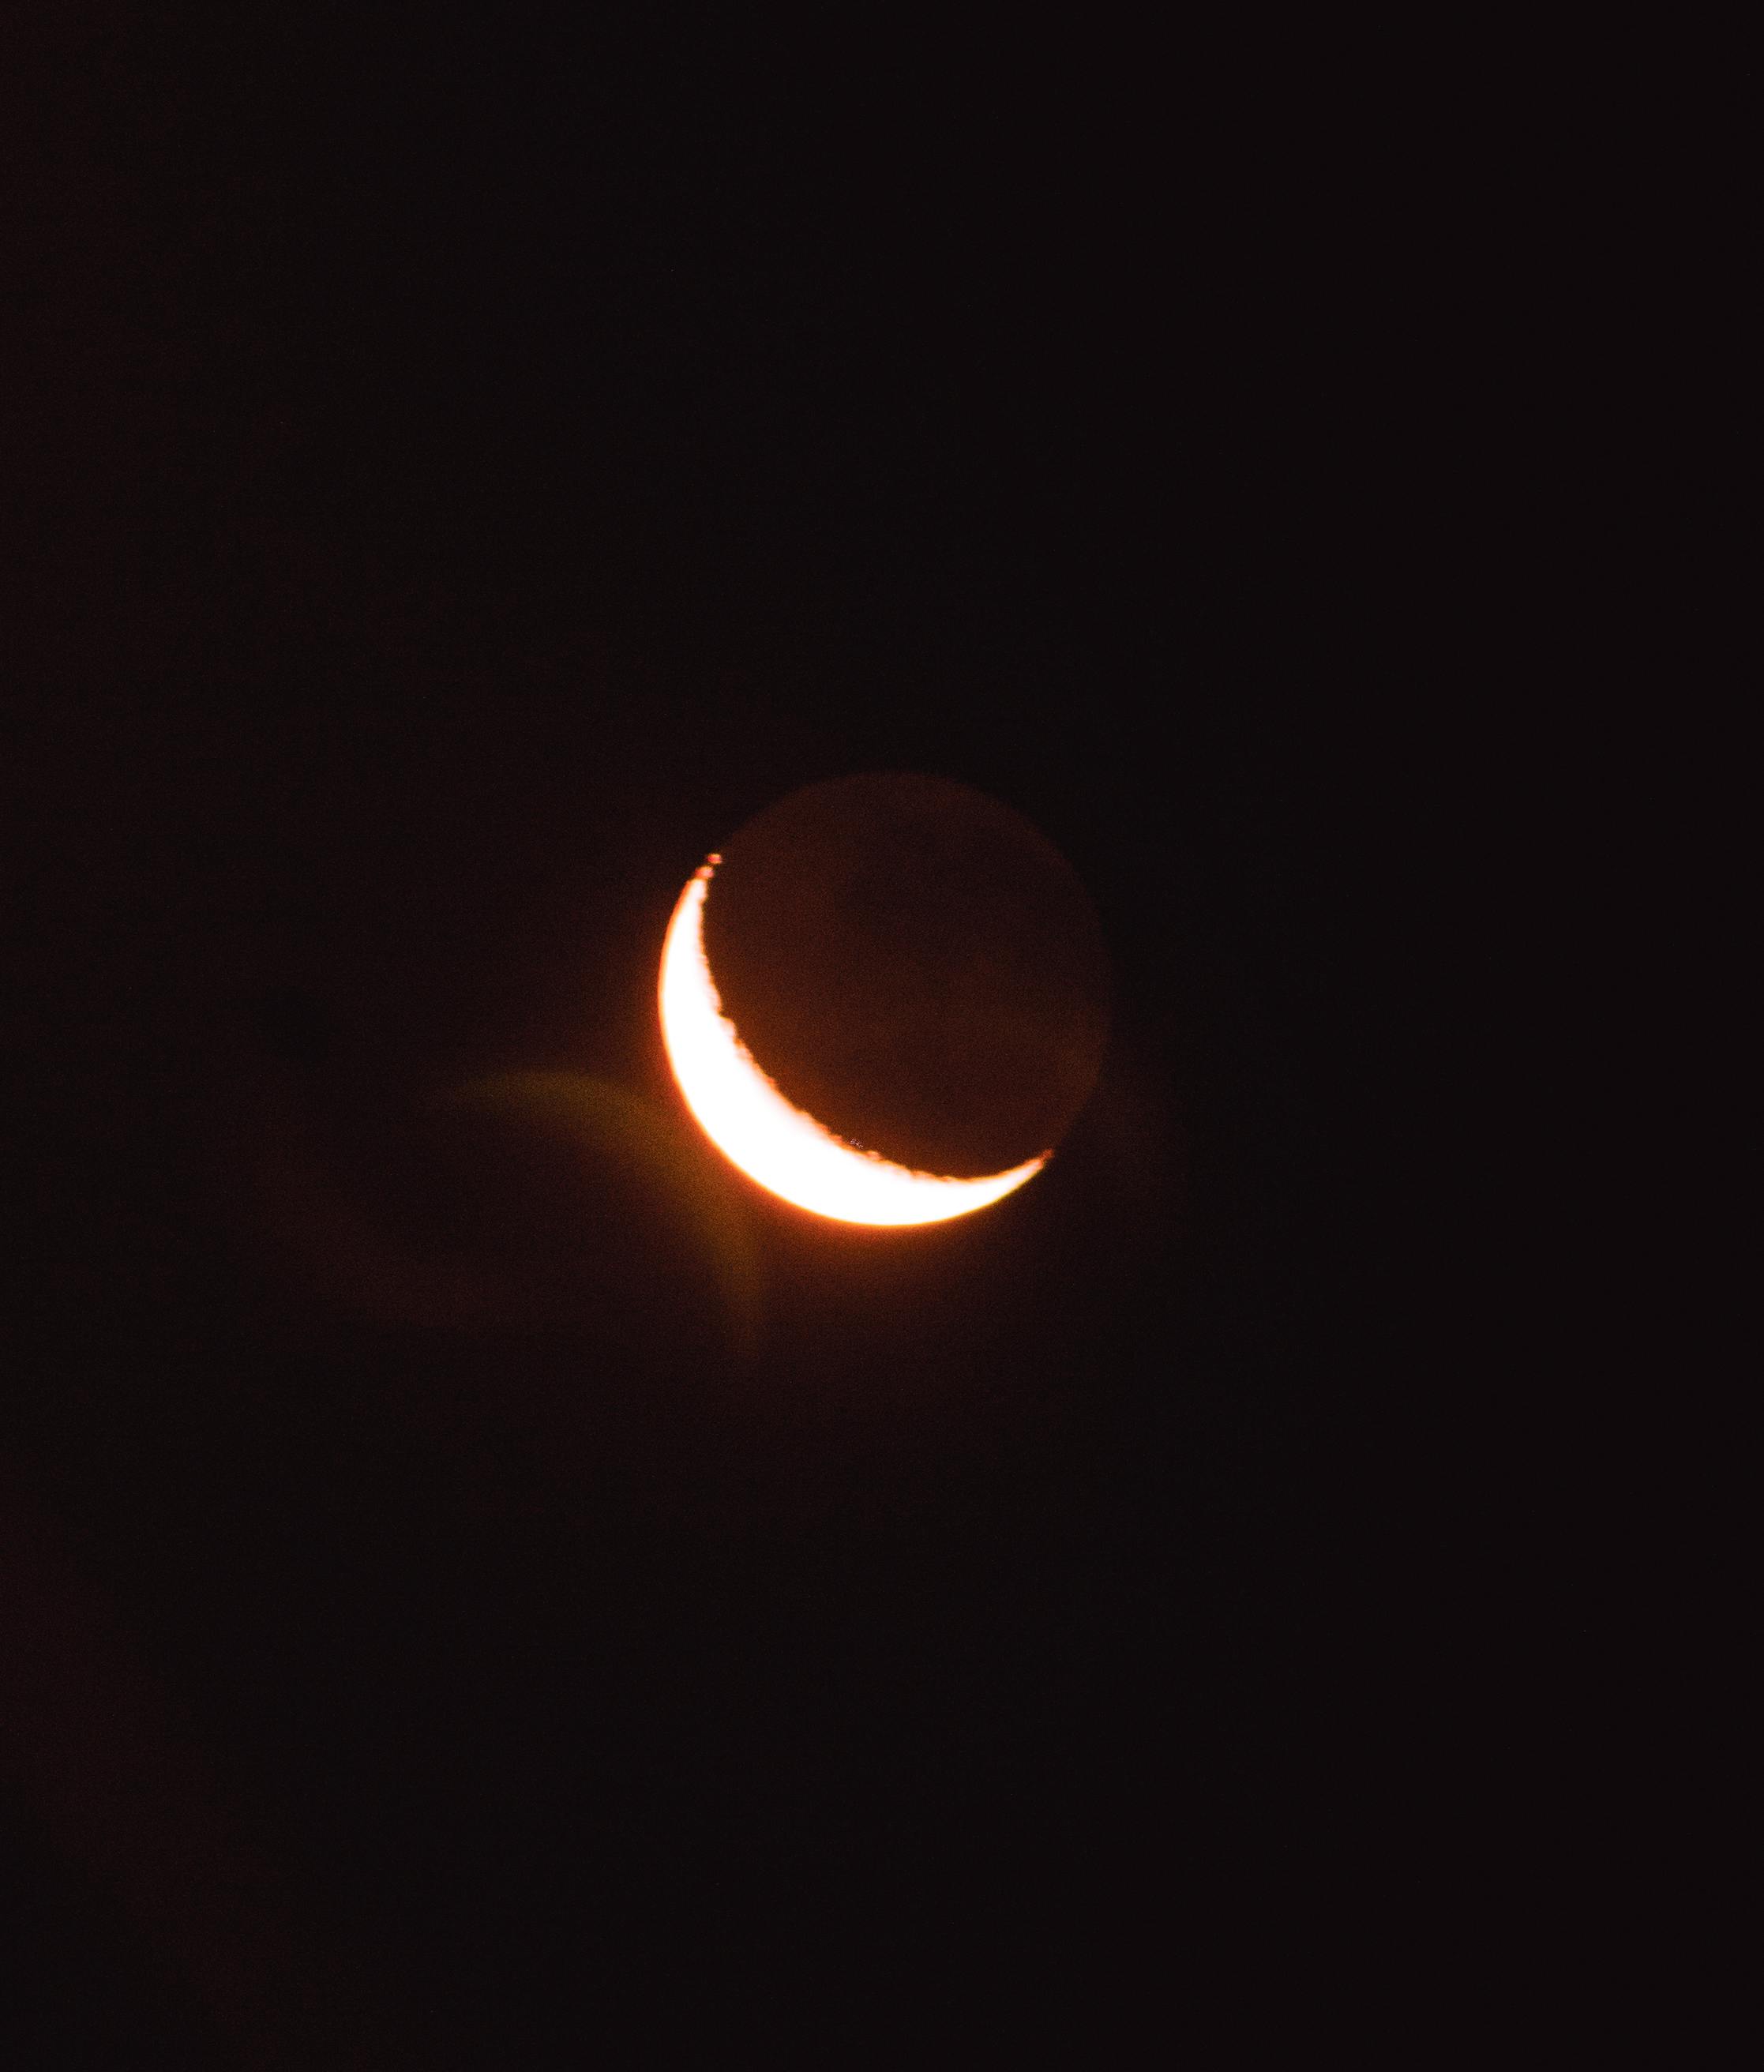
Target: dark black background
x,y
455,472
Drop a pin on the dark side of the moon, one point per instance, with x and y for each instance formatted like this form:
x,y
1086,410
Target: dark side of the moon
x,y
915,967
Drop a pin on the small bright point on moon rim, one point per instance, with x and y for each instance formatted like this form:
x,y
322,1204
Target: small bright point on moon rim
x,y
751,1123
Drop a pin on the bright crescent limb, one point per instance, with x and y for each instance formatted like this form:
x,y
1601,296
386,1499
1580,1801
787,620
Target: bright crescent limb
x,y
748,1120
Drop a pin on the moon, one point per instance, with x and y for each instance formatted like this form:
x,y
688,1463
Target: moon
x,y
750,1122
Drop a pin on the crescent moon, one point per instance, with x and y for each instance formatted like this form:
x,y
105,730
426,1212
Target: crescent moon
x,y
750,1121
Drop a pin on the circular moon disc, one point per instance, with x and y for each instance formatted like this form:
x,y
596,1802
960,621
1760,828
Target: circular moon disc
x,y
750,1121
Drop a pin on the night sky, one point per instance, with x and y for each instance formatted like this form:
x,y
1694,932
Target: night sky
x,y
455,475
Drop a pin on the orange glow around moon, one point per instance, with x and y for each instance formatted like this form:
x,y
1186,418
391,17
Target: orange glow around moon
x,y
750,1121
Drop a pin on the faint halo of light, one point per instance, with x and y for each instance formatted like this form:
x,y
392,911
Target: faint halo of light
x,y
750,1121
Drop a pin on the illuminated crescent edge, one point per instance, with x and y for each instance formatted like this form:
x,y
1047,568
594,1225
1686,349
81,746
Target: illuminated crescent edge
x,y
750,1121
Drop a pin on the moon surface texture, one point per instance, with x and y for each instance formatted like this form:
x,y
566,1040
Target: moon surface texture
x,y
886,1001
